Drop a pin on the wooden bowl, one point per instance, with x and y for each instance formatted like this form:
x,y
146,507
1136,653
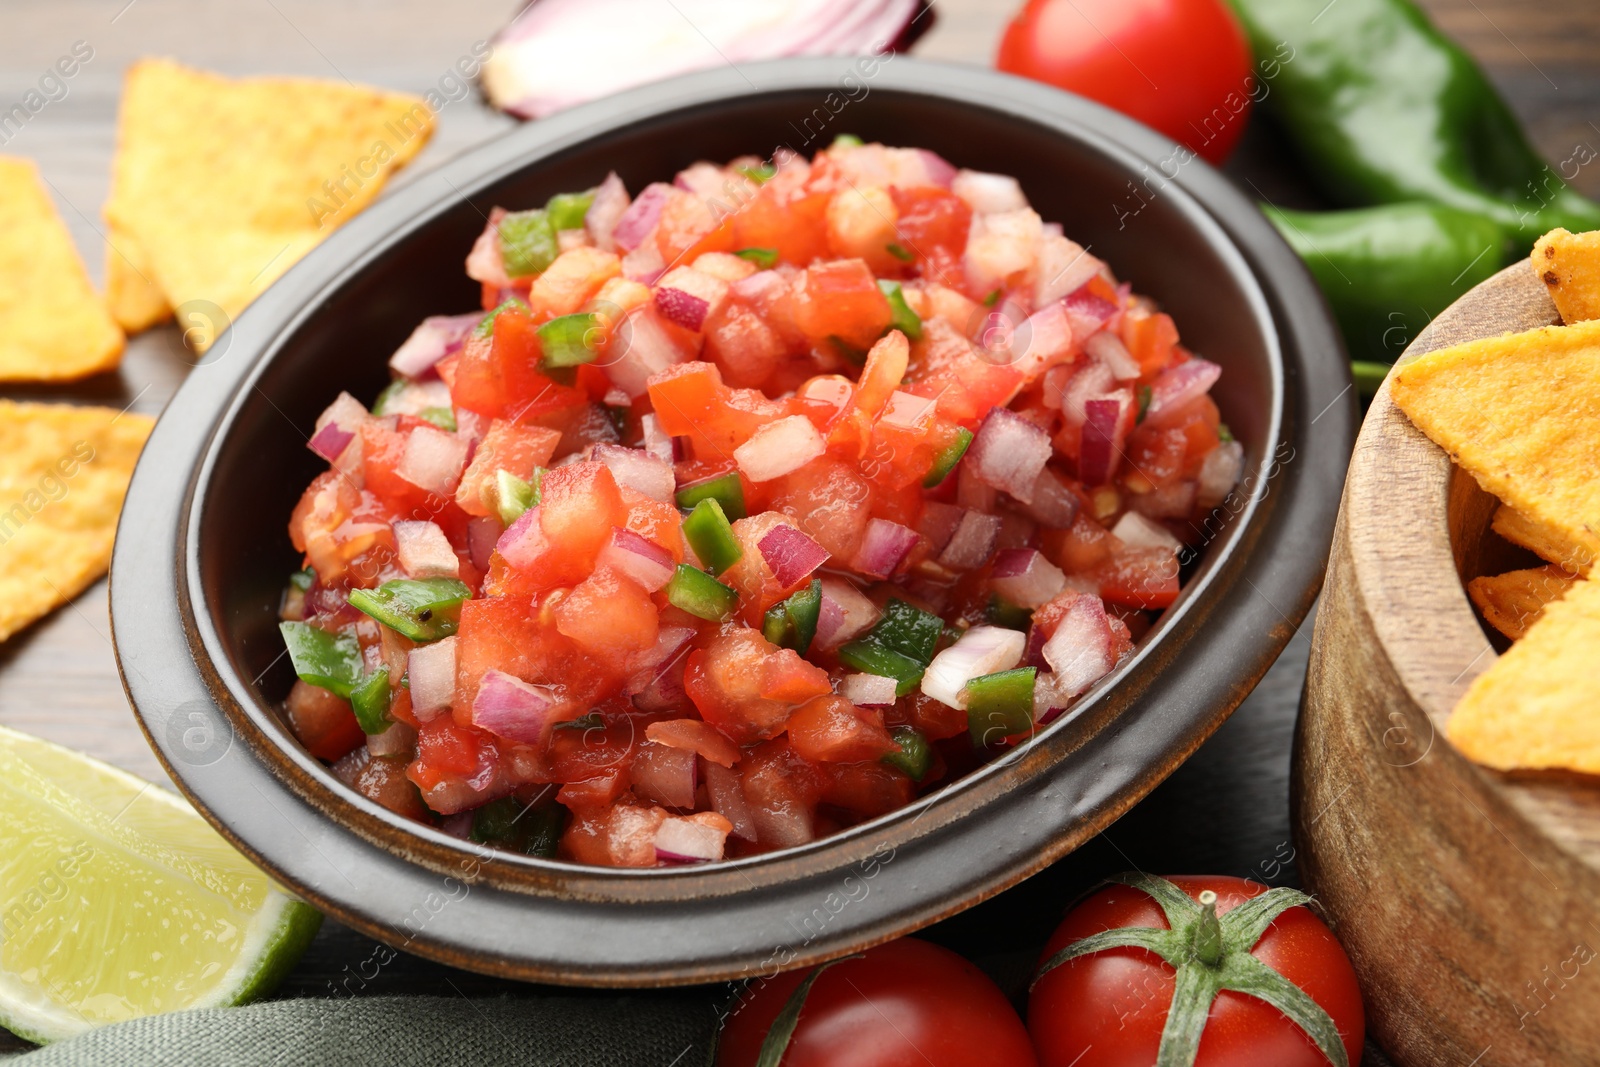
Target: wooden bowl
x,y
1469,900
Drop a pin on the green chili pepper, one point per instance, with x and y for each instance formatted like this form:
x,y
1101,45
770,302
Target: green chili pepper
x,y
444,418
793,623
899,252
846,140
1387,271
569,341
760,175
370,700
484,328
422,609
380,406
700,595
915,756
872,658
302,580
761,257
1001,612
321,658
903,318
507,823
513,496
528,242
725,489
567,210
908,630
708,532
1000,705
1384,108
945,460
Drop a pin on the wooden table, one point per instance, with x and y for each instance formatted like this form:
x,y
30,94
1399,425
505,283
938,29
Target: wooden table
x,y
1225,811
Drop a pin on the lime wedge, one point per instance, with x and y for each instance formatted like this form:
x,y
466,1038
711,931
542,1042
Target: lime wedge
x,y
117,900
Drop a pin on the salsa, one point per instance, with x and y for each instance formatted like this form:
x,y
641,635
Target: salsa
x,y
747,508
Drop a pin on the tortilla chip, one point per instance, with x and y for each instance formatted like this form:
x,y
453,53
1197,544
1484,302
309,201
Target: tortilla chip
x,y
1542,541
1569,265
63,473
1521,414
1535,707
52,325
1514,601
136,302
224,184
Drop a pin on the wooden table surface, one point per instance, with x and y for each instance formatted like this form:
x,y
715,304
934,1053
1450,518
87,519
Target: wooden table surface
x,y
1225,811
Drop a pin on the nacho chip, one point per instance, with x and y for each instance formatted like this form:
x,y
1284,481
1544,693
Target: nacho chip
x,y
52,325
223,184
136,302
1542,541
1535,707
63,473
1514,601
1569,266
1521,414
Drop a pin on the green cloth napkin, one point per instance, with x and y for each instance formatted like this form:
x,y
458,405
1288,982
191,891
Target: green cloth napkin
x,y
640,1030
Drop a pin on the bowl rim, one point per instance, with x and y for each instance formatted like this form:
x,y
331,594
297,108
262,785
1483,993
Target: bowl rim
x,y
154,614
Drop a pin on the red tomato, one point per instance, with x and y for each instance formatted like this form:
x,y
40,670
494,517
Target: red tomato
x,y
322,721
904,1004
1181,66
1107,1009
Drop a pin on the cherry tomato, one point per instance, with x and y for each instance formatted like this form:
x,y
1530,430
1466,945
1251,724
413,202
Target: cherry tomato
x,y
904,1004
1107,1009
1180,66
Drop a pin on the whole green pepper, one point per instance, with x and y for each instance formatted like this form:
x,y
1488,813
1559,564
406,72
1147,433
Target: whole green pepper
x,y
1387,271
1384,108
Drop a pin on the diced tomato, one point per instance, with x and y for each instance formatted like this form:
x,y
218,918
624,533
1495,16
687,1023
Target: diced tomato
x,y
829,501
1137,577
446,749
739,340
867,789
788,679
933,227
695,736
691,226
691,401
946,367
506,447
840,300
598,791
1155,457
322,721
655,521
513,634
608,615
572,281
579,504
787,215
724,682
592,747
1150,337
499,376
936,719
830,729
782,789
1085,545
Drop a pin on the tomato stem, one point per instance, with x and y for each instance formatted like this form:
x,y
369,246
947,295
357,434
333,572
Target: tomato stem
x,y
1206,937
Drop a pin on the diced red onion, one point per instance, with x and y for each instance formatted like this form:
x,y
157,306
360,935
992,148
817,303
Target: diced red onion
x,y
883,548
728,800
640,558
431,673
640,219
999,246
1176,386
484,262
938,522
846,613
657,441
337,426
778,448
482,533
524,541
1108,348
1033,653
1174,501
1042,340
791,554
1053,504
1025,578
1016,531
1080,651
986,193
415,397
973,492
685,309
330,441
651,663
936,169
702,179
688,841
760,287
1092,379
398,740
1049,701
664,775
457,825
1009,452
1219,473
609,204
1088,311
665,690
1101,443
508,707
424,550
981,650
644,264
641,349
868,690
433,460
1137,531
1064,268
639,470
434,338
972,543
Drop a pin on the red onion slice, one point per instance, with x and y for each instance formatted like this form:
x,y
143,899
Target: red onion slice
x,y
1009,452
685,309
524,541
434,338
1101,444
508,707
433,460
1053,504
431,673
1219,473
1136,531
643,348
639,470
482,533
485,263
664,775
1080,652
846,613
330,441
1025,578
640,558
1108,348
791,554
1064,268
1087,311
981,650
728,800
936,169
689,840
1176,386
988,194
337,426
424,550
868,690
972,542
640,219
657,441
779,447
883,548
608,206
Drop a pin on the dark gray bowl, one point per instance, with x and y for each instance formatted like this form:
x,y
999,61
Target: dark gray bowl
x,y
202,553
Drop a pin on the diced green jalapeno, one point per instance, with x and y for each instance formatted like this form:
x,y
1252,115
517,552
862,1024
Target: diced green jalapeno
x,y
900,252
570,341
484,328
302,580
527,242
1000,705
945,460
760,175
902,317
1145,393
443,418
370,700
321,658
992,299
869,656
533,829
1223,433
513,496
915,755
725,489
380,406
423,609
567,210
855,355
700,595
910,631
793,623
761,257
709,533
1001,612
846,140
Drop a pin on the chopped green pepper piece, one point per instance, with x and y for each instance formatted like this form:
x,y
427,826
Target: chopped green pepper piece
x,y
849,351
1145,394
486,327
1001,612
533,829
945,460
760,175
443,418
710,534
527,242
1000,705
793,623
915,755
321,658
513,496
908,630
899,252
567,210
1223,433
570,340
869,656
725,489
761,257
700,595
370,700
992,299
422,609
302,580
380,406
846,140
903,318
